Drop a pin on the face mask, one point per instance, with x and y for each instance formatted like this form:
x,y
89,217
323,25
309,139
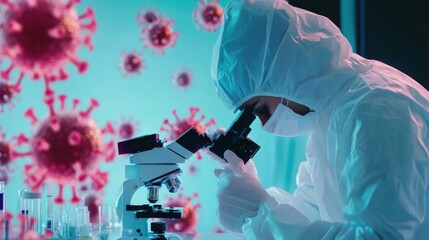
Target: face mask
x,y
285,122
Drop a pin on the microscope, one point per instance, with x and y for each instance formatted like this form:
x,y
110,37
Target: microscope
x,y
152,165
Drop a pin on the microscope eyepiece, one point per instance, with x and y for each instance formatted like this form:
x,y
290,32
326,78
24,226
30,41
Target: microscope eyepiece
x,y
235,138
139,144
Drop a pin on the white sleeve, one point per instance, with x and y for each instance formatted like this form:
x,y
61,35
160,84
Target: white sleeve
x,y
303,199
300,207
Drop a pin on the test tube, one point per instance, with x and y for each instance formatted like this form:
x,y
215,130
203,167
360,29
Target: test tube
x,y
23,209
64,224
3,210
106,217
72,231
49,214
2,201
82,222
30,208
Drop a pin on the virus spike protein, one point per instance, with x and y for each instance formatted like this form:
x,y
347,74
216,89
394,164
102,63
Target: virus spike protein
x,y
67,147
41,36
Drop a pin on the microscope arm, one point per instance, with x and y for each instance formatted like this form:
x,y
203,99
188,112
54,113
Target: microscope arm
x,y
129,187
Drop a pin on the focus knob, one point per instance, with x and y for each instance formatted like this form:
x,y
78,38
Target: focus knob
x,y
158,227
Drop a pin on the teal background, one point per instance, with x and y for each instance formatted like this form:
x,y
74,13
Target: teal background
x,y
150,98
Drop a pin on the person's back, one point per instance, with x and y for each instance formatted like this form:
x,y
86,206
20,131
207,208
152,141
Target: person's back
x,y
367,167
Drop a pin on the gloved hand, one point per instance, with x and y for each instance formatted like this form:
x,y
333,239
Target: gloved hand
x,y
239,193
213,133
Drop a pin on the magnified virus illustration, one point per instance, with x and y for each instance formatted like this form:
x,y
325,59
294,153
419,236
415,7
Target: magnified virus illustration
x,y
182,79
8,152
192,169
4,175
67,147
7,92
6,216
92,201
146,17
208,15
189,221
40,37
19,231
131,63
159,36
219,230
181,125
127,128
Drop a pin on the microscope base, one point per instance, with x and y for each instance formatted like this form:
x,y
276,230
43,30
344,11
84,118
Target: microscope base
x,y
168,236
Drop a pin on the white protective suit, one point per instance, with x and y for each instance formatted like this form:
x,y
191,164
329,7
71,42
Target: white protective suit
x,y
367,169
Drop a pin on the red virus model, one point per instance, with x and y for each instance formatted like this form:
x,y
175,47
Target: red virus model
x,y
146,17
182,79
188,222
8,153
219,230
4,175
175,130
7,92
131,63
92,201
127,128
192,169
67,147
19,232
159,36
41,36
208,15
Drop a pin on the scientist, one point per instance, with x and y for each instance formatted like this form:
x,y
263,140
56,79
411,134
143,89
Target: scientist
x,y
367,169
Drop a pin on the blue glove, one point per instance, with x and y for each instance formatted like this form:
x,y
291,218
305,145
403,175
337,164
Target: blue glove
x,y
239,193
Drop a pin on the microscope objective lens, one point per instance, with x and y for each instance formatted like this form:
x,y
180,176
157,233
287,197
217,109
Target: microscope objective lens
x,y
153,194
172,184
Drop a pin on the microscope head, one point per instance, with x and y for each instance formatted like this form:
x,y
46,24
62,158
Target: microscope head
x,y
191,141
156,164
235,138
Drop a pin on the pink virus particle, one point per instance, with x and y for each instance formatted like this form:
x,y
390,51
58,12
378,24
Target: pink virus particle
x,y
131,63
219,230
92,201
159,36
127,128
19,232
208,15
8,152
41,36
189,221
146,17
6,216
4,175
176,129
7,92
67,148
182,79
192,169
